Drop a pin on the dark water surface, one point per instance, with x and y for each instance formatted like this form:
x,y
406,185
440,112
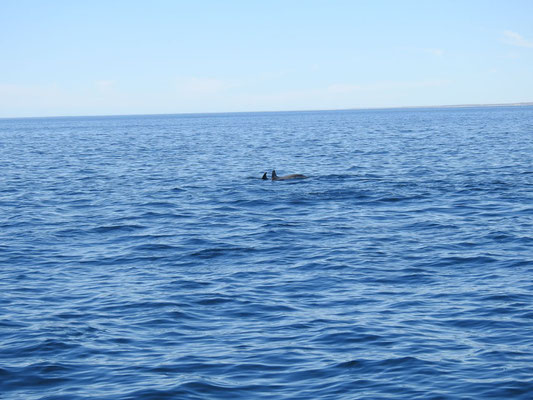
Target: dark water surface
x,y
143,258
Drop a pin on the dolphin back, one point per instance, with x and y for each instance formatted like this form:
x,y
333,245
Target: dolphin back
x,y
275,177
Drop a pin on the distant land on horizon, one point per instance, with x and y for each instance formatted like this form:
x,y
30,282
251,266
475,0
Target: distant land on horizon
x,y
517,104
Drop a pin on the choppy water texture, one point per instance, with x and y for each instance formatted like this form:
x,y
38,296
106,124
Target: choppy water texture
x,y
143,257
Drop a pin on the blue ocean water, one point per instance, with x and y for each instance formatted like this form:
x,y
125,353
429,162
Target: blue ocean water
x,y
142,257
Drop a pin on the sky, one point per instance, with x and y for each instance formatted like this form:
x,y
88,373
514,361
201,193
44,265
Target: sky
x,y
114,57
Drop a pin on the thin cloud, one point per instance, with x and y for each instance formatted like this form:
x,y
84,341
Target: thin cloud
x,y
435,52
204,86
105,84
515,39
93,98
432,51
340,88
13,95
343,88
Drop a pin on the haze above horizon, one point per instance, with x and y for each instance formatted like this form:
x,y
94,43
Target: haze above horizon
x,y
127,57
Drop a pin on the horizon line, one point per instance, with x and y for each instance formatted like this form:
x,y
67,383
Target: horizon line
x,y
468,105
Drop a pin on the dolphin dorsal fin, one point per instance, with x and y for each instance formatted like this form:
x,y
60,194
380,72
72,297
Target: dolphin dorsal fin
x,y
264,176
274,175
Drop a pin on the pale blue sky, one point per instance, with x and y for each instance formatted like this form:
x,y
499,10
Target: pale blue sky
x,y
145,57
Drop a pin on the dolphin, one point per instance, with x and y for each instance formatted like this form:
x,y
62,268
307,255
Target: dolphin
x,y
264,176
275,176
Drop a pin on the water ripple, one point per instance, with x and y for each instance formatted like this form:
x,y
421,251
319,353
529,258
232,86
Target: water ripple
x,y
144,258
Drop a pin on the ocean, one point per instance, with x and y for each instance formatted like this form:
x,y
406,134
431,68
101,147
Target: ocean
x,y
142,257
